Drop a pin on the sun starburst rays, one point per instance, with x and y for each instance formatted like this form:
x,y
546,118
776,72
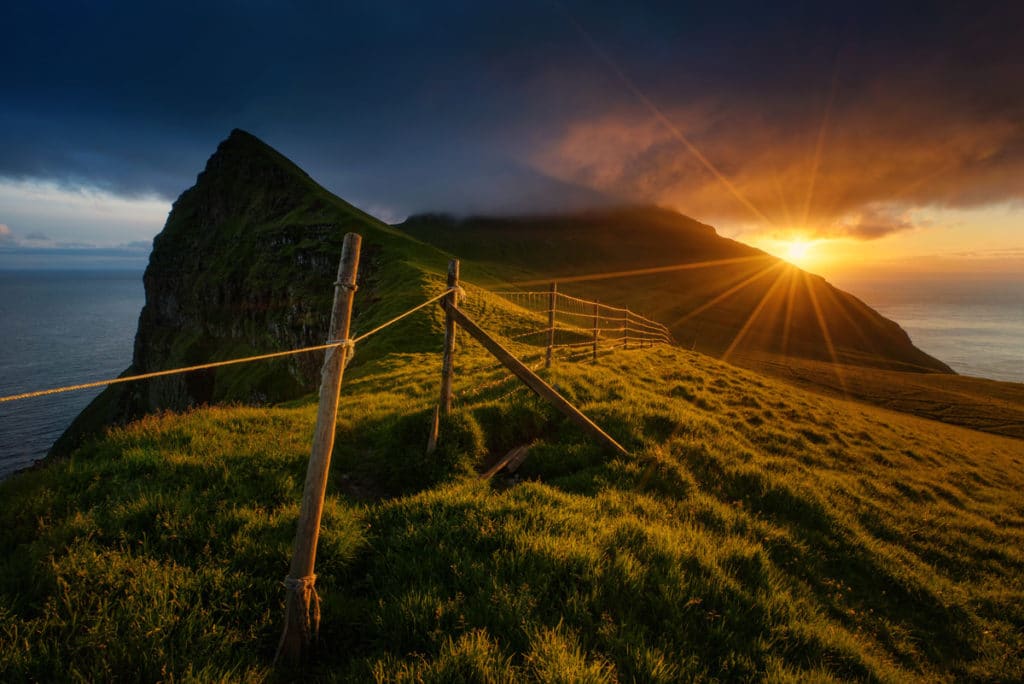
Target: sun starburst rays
x,y
754,315
823,326
729,292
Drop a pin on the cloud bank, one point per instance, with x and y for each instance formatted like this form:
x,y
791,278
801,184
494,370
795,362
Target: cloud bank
x,y
846,155
838,119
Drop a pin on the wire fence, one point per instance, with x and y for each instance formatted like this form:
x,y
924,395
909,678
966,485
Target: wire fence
x,y
334,344
566,322
551,320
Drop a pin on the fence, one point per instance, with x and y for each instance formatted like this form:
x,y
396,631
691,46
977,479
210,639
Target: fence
x,y
568,323
575,323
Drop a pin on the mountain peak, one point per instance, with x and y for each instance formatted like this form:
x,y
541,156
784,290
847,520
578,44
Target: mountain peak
x,y
244,177
244,145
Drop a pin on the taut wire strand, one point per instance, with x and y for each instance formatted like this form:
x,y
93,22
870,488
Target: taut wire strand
x,y
217,364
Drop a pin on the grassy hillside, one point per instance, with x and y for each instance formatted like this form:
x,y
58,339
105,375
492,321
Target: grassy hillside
x,y
987,405
756,532
745,302
757,313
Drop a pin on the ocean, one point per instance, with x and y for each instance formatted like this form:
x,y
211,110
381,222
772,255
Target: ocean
x,y
58,328
975,326
65,327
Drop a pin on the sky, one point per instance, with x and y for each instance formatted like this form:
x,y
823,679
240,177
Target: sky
x,y
852,138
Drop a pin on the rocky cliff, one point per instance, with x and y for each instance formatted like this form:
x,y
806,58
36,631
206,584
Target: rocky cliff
x,y
244,265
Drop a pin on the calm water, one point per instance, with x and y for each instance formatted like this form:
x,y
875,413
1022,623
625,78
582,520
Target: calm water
x,y
976,327
57,328
64,327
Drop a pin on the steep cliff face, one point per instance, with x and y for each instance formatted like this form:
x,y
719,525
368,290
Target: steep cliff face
x,y
244,265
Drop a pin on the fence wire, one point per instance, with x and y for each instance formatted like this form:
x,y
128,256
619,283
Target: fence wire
x,y
229,362
606,331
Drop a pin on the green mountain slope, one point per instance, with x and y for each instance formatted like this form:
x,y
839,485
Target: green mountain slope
x,y
745,302
245,265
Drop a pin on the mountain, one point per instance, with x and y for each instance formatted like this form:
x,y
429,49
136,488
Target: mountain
x,y
247,258
245,265
743,303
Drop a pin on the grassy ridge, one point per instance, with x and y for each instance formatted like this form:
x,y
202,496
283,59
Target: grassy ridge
x,y
245,265
751,302
987,405
757,532
879,363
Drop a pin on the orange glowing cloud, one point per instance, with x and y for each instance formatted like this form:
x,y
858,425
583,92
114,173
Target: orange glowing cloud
x,y
857,173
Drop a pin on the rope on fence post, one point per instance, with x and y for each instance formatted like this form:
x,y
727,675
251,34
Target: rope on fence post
x,y
552,303
302,604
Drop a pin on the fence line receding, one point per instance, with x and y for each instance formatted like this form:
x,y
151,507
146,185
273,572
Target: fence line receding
x,y
567,322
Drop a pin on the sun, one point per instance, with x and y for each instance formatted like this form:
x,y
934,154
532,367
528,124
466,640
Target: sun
x,y
799,252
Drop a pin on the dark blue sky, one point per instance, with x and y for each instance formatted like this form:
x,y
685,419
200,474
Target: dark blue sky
x,y
838,116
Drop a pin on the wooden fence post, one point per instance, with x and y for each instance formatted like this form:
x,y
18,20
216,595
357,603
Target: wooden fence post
x,y
448,364
596,331
302,604
552,304
625,330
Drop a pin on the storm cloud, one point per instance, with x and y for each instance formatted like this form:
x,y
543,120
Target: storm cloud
x,y
840,118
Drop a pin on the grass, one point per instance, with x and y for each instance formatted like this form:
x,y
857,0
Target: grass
x,y
978,403
757,532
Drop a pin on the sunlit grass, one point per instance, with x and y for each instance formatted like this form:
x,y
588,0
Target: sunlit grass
x,y
756,532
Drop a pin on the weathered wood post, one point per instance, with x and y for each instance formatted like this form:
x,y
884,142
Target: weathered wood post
x,y
534,382
552,303
596,331
302,604
444,406
625,330
448,364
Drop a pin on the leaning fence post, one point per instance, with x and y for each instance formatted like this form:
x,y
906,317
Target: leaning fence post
x,y
302,604
552,303
596,329
448,364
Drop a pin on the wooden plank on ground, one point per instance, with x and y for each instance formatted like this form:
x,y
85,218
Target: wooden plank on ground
x,y
512,460
534,381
